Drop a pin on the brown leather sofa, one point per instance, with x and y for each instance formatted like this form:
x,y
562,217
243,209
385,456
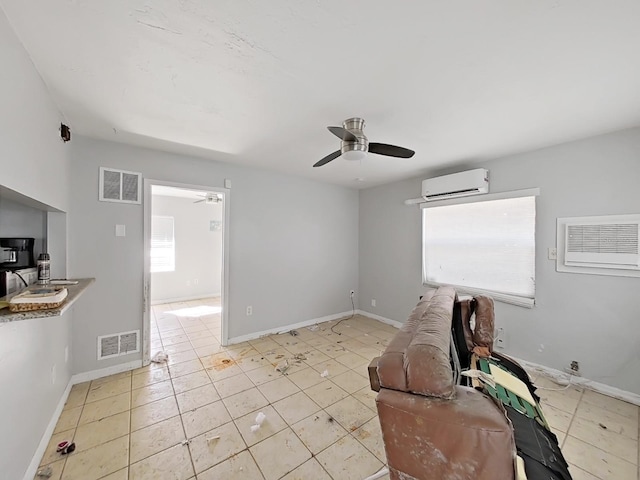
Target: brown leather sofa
x,y
431,427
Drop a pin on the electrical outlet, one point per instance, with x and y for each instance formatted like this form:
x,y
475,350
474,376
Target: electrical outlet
x,y
552,253
500,339
352,293
573,368
249,311
373,302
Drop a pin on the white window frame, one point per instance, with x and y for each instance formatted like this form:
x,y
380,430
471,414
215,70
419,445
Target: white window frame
x,y
523,301
169,265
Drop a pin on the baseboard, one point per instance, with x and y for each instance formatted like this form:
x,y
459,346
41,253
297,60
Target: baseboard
x,y
46,436
184,299
563,378
105,372
388,321
277,330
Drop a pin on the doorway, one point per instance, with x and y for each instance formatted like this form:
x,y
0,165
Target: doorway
x,y
185,267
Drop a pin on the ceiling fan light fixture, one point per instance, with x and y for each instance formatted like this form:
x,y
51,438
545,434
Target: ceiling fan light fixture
x,y
352,155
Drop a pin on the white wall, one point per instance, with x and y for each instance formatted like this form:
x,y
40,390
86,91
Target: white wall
x,y
293,244
34,160
198,250
589,318
18,220
28,351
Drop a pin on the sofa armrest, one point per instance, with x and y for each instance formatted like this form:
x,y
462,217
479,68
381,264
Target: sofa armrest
x,y
466,438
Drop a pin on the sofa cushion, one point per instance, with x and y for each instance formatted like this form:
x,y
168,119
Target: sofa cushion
x,y
417,359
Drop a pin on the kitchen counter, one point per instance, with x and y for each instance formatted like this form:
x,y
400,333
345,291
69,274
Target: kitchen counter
x,y
74,292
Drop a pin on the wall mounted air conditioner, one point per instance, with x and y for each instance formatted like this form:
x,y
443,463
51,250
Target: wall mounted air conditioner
x,y
612,244
463,184
599,245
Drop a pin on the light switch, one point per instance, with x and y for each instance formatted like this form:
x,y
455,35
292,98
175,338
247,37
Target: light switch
x,y
227,183
552,253
120,231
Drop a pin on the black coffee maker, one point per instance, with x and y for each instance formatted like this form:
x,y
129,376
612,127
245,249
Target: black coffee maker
x,y
16,253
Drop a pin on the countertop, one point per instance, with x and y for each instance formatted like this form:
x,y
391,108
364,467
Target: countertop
x,y
74,292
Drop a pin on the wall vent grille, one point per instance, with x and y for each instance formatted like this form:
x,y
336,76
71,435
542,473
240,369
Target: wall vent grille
x,y
602,244
117,344
120,186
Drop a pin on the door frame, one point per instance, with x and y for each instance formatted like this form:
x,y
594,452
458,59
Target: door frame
x,y
224,295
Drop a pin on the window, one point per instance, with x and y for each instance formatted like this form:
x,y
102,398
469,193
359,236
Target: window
x,y
482,247
163,248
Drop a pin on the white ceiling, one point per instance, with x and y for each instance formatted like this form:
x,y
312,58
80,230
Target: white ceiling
x,y
257,82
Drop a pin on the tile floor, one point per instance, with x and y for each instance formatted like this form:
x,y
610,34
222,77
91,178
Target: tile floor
x,y
191,418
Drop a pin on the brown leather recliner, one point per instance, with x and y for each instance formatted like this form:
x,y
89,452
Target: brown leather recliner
x,y
432,428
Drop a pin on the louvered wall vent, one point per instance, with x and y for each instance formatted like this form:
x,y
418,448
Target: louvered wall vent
x,y
120,186
118,344
602,245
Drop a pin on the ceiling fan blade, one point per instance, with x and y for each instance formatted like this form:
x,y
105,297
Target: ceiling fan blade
x,y
390,150
343,134
328,158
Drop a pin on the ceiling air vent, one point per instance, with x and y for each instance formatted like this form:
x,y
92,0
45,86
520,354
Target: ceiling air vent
x,y
118,344
120,186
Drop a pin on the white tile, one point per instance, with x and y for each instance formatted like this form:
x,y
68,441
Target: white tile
x,y
347,459
278,389
232,385
350,413
156,438
605,439
318,431
272,424
197,398
614,422
240,466
244,402
350,381
92,434
326,393
370,435
556,418
205,418
215,446
98,461
151,393
309,470
612,405
296,407
596,461
190,381
153,412
305,378
279,454
175,460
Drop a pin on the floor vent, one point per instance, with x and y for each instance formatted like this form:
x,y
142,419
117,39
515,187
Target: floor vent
x,y
120,186
118,344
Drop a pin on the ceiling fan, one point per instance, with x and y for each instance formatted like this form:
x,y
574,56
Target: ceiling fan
x,y
209,198
355,145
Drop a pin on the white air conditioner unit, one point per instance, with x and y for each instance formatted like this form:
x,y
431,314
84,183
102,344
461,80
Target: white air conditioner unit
x,y
463,184
603,244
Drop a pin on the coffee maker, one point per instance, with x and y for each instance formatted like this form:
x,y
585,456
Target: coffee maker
x,y
17,253
17,264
